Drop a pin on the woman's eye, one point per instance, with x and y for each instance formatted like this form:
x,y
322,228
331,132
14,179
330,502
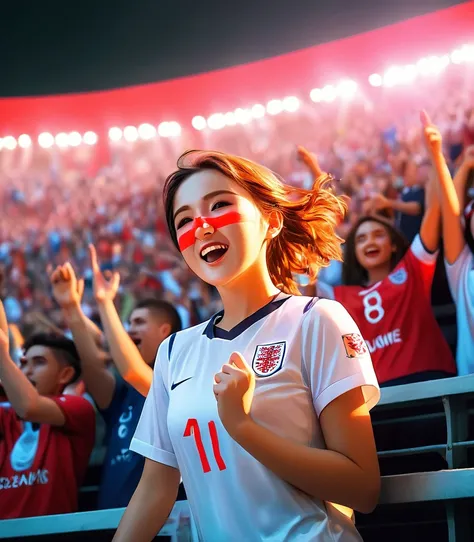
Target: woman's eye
x,y
219,205
183,222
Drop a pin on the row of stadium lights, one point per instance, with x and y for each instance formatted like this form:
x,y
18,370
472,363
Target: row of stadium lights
x,y
346,90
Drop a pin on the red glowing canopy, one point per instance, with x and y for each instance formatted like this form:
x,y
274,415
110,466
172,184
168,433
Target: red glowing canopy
x,y
290,74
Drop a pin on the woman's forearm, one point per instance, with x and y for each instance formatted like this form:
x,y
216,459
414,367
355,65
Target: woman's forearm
x,y
324,474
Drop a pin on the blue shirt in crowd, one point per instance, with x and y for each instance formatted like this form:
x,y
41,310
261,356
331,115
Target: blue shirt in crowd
x,y
122,468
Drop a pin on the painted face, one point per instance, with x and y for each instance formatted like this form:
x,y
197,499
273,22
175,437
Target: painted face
x,y
220,230
373,245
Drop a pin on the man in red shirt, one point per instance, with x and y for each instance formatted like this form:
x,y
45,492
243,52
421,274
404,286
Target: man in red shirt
x,y
45,437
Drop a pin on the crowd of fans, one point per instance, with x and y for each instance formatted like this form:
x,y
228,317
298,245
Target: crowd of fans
x,y
54,207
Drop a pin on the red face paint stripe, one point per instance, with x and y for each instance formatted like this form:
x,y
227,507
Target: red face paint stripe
x,y
188,238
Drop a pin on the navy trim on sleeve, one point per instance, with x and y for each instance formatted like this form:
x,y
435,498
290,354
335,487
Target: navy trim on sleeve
x,y
170,345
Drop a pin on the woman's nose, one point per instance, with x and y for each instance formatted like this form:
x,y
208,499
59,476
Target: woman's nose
x,y
203,229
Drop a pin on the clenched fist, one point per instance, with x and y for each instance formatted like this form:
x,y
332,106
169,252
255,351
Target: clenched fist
x,y
234,388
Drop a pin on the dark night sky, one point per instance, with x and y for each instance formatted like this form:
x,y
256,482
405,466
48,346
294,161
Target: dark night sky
x,y
56,47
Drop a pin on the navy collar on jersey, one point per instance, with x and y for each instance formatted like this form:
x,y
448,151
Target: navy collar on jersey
x,y
213,332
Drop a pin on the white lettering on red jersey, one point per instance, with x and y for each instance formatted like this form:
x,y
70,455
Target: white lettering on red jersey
x,y
396,318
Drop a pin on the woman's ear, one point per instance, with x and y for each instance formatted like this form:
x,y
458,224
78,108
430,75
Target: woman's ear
x,y
275,224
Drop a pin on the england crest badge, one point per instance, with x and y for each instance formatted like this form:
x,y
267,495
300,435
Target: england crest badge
x,y
268,358
398,277
354,344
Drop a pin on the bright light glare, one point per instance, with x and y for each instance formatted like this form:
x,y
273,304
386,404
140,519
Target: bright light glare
x,y
258,111
346,88
24,141
90,138
130,133
115,134
316,95
199,123
61,140
242,116
291,104
229,119
174,129
74,139
46,140
9,142
328,93
216,121
274,107
146,131
375,80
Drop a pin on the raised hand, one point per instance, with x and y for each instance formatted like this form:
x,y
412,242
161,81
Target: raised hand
x,y
234,388
310,160
432,135
67,290
105,286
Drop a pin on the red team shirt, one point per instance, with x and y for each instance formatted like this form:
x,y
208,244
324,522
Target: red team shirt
x,y
396,318
40,473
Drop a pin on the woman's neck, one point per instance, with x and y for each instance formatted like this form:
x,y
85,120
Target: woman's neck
x,y
377,274
245,295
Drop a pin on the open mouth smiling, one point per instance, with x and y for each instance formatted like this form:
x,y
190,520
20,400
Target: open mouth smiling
x,y
213,252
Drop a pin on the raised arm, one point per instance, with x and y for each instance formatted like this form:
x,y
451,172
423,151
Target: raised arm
x,y
452,204
430,227
125,354
67,291
23,396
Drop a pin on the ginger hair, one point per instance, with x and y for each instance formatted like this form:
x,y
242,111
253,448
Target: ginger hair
x,y
308,238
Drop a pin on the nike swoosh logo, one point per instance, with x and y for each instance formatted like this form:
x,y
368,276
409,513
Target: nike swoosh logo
x,y
176,384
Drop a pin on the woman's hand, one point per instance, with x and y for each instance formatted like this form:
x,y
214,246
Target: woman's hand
x,y
105,285
432,135
234,388
310,160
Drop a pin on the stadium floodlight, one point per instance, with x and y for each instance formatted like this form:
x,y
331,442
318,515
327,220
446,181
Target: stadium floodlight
x,y
74,139
291,104
146,131
258,111
216,121
90,138
274,107
115,134
45,140
199,123
61,140
130,133
9,143
24,141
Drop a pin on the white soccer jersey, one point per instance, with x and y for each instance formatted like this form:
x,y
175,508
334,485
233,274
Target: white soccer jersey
x,y
461,283
305,353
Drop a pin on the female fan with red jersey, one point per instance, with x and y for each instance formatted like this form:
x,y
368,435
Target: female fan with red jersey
x,y
387,290
264,409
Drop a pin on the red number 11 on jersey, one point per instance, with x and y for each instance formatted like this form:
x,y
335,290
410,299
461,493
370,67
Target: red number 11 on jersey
x,y
192,429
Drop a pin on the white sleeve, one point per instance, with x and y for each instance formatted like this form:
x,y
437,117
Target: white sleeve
x,y
421,253
461,274
335,356
151,438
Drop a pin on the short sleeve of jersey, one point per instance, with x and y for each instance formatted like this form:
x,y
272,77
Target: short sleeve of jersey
x,y
419,257
335,356
151,438
461,274
79,414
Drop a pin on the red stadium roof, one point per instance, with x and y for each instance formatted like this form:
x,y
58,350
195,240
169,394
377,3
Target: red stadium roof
x,y
293,73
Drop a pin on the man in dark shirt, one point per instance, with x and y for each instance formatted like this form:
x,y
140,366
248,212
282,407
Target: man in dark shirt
x,y
119,394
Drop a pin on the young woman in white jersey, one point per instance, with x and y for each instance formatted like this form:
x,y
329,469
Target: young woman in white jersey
x,y
456,196
387,290
264,409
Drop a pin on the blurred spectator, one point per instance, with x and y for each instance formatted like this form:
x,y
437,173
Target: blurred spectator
x,y
47,437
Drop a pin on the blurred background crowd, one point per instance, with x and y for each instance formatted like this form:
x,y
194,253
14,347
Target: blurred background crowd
x,y
55,201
